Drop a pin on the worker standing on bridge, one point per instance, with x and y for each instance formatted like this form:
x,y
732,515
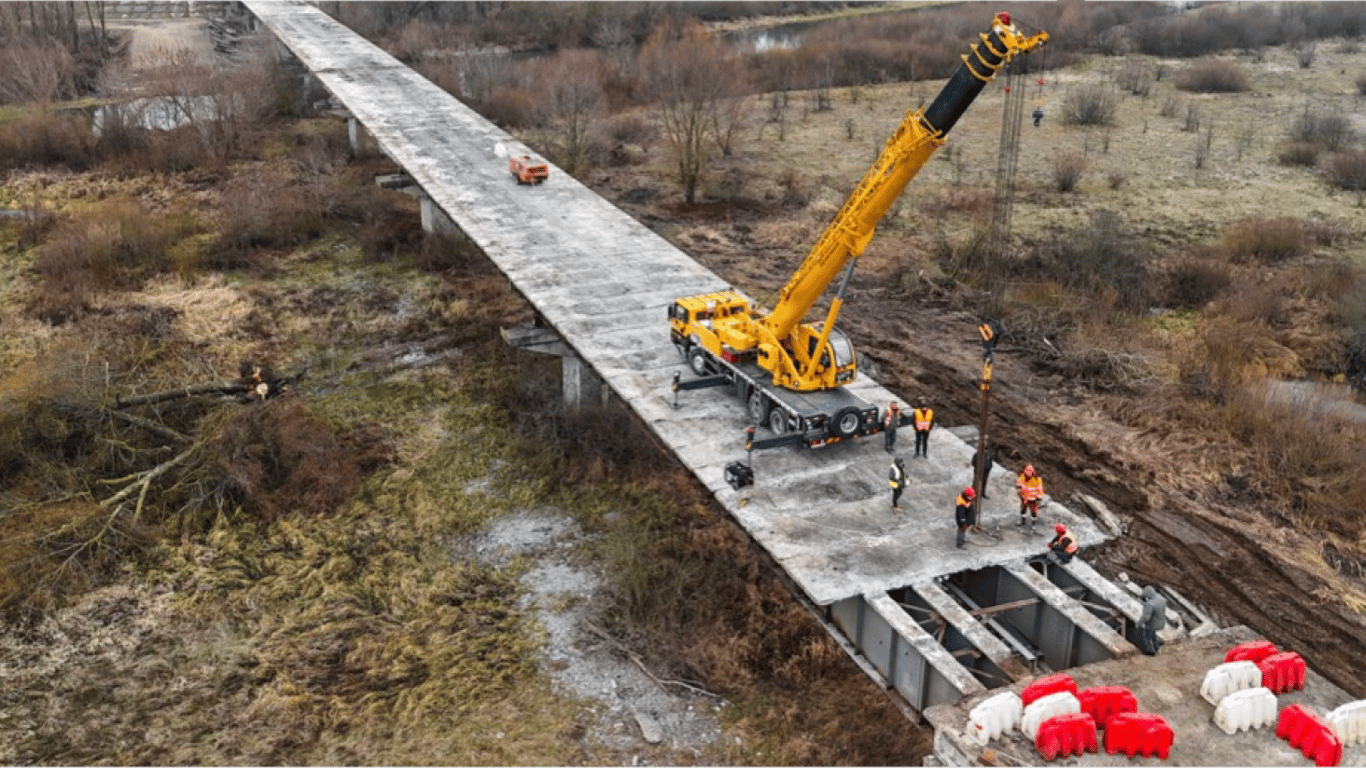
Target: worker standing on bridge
x,y
1063,547
889,424
965,514
990,459
1153,620
896,480
1030,487
924,422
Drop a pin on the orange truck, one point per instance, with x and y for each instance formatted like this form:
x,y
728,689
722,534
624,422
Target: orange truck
x,y
527,170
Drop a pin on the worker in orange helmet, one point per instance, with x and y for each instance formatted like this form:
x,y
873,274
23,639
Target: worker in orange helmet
x,y
923,418
889,424
965,514
1030,487
1063,547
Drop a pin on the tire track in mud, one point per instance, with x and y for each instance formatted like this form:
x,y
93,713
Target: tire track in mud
x,y
1204,549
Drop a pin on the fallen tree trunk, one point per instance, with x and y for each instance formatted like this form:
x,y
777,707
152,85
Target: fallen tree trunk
x,y
219,388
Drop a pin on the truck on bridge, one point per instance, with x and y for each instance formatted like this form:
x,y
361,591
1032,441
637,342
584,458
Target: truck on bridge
x,y
791,374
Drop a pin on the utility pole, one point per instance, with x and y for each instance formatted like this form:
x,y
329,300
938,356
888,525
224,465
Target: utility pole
x,y
990,332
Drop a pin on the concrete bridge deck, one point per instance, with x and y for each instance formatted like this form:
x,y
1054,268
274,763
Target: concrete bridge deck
x,y
603,281
915,612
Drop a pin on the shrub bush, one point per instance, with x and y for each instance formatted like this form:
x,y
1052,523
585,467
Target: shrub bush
x,y
1264,240
1212,76
47,138
267,209
1300,153
1347,170
630,129
1089,105
1067,171
1330,131
116,245
274,460
1193,283
1135,76
1103,255
1350,311
510,107
1260,303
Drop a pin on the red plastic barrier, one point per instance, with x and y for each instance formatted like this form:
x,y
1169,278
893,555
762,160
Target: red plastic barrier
x,y
1046,685
1283,672
1138,733
1066,735
1308,733
1253,652
1104,702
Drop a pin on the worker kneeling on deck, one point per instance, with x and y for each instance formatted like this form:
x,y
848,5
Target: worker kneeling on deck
x,y
1063,547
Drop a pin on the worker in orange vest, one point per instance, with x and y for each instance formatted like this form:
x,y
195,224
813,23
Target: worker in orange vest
x,y
923,419
1030,487
1063,547
889,424
965,514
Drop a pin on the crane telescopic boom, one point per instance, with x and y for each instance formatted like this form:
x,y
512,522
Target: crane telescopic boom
x,y
722,331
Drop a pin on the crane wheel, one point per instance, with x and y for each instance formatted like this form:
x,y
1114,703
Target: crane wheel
x,y
758,406
697,360
846,422
777,422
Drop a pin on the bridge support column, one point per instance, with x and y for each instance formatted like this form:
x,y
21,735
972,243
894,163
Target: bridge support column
x,y
435,220
578,382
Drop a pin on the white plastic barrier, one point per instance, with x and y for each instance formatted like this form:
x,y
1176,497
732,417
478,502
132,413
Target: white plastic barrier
x,y
1052,705
1349,722
1246,709
1227,678
997,715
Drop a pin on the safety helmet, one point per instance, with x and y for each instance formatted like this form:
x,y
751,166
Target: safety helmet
x,y
1029,469
1060,528
969,494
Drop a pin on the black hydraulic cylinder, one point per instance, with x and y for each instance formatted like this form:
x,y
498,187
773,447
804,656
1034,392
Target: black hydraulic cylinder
x,y
967,81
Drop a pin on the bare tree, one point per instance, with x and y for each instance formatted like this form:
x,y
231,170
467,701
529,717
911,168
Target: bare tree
x,y
690,74
571,87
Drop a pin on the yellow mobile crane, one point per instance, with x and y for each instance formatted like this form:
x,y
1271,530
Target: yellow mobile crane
x,y
791,373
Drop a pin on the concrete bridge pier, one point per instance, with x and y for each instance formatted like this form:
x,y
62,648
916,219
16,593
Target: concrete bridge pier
x,y
435,220
578,382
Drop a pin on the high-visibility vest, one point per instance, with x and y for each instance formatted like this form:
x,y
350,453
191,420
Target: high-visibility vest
x,y
895,477
1069,543
924,417
1031,488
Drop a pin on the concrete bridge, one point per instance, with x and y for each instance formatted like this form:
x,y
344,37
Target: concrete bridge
x,y
939,628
